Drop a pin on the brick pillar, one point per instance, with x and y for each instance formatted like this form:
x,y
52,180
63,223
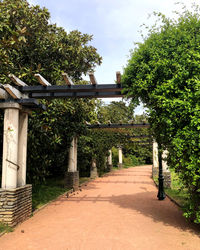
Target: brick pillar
x,y
15,205
72,175
93,169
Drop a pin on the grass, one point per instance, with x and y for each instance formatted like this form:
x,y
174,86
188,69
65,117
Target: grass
x,y
50,190
177,192
47,192
5,228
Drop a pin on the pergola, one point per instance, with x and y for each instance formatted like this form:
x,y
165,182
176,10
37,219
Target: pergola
x,y
17,100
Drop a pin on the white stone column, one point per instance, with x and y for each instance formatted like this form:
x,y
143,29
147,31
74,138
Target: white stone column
x,y
120,155
110,157
166,171
75,153
155,154
93,169
155,166
164,162
120,163
71,165
10,145
22,148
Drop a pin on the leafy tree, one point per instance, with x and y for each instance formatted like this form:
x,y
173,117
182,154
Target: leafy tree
x,y
30,44
163,72
115,112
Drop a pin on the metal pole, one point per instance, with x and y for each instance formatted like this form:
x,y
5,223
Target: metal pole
x,y
161,193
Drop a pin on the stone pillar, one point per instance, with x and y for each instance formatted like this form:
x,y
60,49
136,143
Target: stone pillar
x,y
93,169
72,175
10,146
166,171
155,166
15,195
110,160
120,164
22,152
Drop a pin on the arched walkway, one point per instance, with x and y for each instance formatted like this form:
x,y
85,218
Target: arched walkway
x,y
118,211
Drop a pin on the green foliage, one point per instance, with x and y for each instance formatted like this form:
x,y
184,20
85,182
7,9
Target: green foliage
x,y
46,192
177,191
163,72
30,44
115,112
5,228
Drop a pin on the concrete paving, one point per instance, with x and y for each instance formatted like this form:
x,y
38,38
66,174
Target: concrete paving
x,y
118,211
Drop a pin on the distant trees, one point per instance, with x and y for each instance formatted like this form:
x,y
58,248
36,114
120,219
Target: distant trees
x,y
164,72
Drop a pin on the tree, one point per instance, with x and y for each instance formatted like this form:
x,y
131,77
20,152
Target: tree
x,y
115,112
29,44
163,72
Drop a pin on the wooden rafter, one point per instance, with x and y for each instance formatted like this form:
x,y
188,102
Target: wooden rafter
x,y
67,79
118,77
92,78
42,80
16,80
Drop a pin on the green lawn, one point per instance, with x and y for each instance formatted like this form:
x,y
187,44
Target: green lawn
x,y
49,191
46,192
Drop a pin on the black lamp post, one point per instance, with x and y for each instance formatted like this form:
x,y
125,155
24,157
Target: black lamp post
x,y
161,193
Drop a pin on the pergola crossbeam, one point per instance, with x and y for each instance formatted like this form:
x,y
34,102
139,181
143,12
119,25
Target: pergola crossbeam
x,y
76,95
116,125
73,88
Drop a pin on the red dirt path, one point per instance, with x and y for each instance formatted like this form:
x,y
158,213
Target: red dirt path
x,y
119,211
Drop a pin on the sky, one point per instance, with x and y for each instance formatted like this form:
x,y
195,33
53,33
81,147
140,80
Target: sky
x,y
114,24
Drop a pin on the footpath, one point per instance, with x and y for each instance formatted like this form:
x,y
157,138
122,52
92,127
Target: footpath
x,y
119,211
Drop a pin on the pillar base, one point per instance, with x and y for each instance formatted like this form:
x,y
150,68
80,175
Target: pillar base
x,y
120,165
93,173
155,171
167,179
110,166
72,180
15,205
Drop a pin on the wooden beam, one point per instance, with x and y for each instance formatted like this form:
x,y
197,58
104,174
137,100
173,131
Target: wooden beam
x,y
118,77
16,80
67,79
92,78
42,80
15,93
3,93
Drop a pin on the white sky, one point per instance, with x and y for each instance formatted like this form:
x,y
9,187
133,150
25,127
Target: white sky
x,y
114,24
